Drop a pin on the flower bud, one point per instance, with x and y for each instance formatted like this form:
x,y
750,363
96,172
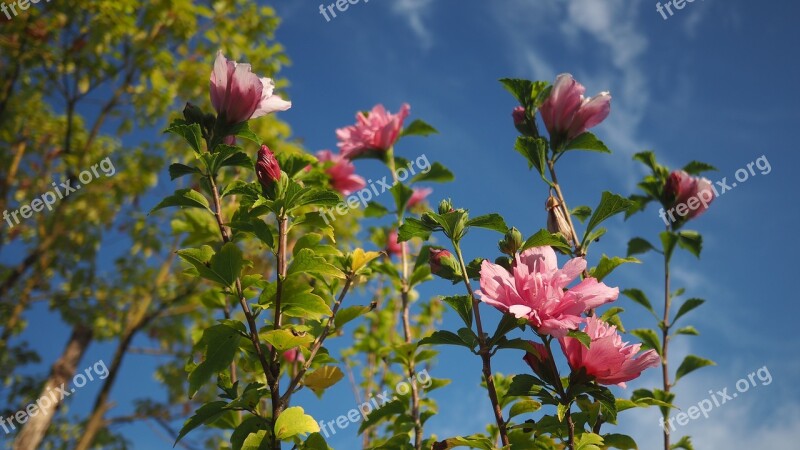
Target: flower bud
x,y
193,114
267,169
538,359
556,221
511,242
445,206
444,264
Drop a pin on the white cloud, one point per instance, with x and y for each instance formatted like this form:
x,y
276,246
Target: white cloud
x,y
413,11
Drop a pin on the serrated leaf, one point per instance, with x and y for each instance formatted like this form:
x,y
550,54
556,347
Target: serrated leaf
x,y
305,306
523,407
638,246
607,265
697,167
581,212
375,209
687,306
177,170
436,174
475,441
649,339
535,152
308,262
228,262
588,441
219,344
345,315
587,141
639,297
412,228
323,378
620,441
419,128
691,241
294,421
443,337
362,258
204,414
690,364
191,133
490,222
544,238
462,305
284,340
688,330
610,205
185,198
580,336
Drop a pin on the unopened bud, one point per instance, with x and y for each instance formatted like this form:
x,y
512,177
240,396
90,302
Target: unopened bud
x,y
267,169
525,125
511,242
445,206
193,114
556,220
444,264
538,358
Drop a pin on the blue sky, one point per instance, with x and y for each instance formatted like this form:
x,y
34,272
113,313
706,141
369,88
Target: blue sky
x,y
710,83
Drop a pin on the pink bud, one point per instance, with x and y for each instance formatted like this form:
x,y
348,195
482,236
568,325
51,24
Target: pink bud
x,y
695,193
393,248
267,169
567,113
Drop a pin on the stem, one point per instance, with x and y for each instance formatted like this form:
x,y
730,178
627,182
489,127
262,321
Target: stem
x,y
278,403
665,339
563,204
565,398
407,332
484,352
318,343
251,322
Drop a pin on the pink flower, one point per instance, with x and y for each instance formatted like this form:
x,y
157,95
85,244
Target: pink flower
x,y
681,188
419,195
608,359
393,248
239,95
536,290
341,172
293,355
377,131
267,169
567,114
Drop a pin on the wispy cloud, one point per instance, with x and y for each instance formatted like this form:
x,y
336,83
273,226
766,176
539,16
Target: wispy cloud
x,y
414,11
601,43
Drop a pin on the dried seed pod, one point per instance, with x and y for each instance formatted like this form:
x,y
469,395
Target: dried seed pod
x,y
556,221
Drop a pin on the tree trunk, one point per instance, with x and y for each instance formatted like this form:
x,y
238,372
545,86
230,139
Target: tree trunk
x,y
31,436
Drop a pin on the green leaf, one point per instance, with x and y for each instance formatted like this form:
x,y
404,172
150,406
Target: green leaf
x,y
294,421
178,170
204,414
474,441
639,297
191,133
284,340
315,441
587,141
418,128
256,441
443,337
242,130
249,426
436,174
227,263
647,158
581,213
668,241
462,305
535,151
375,209
638,246
345,315
690,364
305,306
649,339
588,441
697,167
412,228
581,336
620,441
219,344
490,222
238,159
524,386
687,306
307,262
522,90
610,204
544,238
691,241
523,407
688,330
323,378
607,265
187,198
685,443
401,194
